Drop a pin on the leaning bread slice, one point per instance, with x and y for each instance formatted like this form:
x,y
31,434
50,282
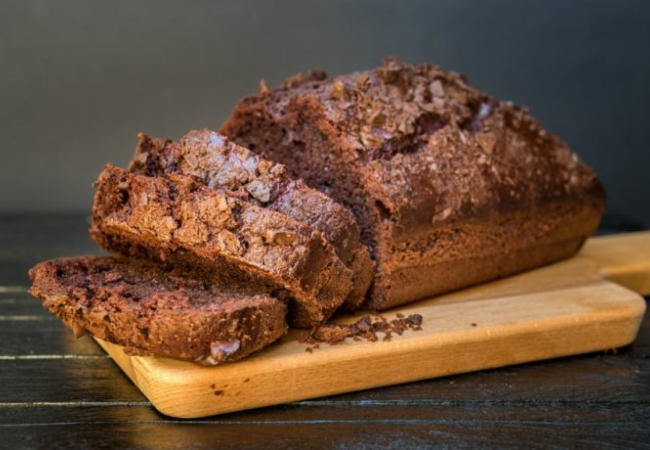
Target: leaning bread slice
x,y
152,312
179,221
221,164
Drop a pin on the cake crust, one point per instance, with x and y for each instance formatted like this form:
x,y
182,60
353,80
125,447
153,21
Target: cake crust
x,y
415,152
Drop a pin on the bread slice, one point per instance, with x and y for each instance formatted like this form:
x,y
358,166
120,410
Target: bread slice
x,y
450,187
221,164
177,220
150,311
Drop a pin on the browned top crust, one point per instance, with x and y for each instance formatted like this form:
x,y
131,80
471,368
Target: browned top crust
x,y
423,142
151,311
221,164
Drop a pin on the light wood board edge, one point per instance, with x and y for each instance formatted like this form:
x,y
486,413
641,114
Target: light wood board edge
x,y
568,320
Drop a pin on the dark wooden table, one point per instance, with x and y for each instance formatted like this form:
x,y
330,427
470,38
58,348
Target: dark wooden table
x,y
57,392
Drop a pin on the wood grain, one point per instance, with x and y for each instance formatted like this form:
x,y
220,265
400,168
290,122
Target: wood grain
x,y
564,309
57,396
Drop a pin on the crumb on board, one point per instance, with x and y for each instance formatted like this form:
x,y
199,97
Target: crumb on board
x,y
366,328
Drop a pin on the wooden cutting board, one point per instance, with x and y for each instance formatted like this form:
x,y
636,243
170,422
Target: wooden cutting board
x,y
588,303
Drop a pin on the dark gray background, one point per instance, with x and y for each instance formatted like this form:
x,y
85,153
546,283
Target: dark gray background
x,y
79,79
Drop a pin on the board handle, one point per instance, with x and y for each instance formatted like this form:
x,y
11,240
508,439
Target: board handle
x,y
622,258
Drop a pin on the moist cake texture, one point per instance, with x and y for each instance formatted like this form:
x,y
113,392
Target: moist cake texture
x,y
150,311
177,220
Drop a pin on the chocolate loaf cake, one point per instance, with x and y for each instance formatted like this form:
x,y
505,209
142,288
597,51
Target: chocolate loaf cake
x,y
177,220
449,186
152,312
221,164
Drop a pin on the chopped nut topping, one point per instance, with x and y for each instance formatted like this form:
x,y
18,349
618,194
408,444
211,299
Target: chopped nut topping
x,y
222,349
362,81
259,191
293,81
387,75
436,88
378,119
222,204
279,237
228,242
338,91
487,141
370,140
264,89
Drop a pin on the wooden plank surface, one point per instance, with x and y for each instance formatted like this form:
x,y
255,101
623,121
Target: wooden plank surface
x,y
377,426
55,395
563,309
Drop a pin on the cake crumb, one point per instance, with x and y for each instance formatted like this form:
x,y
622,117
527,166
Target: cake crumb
x,y
366,328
